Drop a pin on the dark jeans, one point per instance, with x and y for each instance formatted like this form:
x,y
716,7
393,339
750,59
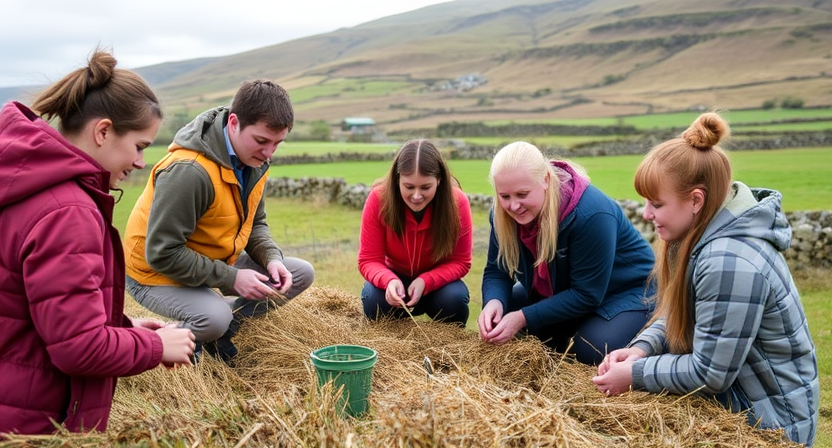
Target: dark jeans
x,y
593,336
447,304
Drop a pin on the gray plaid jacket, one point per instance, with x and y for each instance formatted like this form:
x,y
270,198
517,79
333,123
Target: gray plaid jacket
x,y
752,348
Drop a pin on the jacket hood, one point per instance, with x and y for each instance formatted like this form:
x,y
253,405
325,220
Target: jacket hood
x,y
202,135
753,213
34,156
572,187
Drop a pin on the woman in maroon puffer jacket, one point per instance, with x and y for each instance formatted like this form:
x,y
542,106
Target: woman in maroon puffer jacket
x,y
63,336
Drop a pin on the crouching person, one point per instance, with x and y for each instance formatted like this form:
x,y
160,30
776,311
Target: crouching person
x,y
200,225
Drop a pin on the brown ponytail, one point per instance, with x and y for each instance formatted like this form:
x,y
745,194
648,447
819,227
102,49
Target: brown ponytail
x,y
100,90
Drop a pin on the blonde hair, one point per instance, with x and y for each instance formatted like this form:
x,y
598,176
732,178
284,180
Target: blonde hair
x,y
689,162
528,158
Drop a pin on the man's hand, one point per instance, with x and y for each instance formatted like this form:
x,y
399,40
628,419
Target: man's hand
x,y
281,278
252,285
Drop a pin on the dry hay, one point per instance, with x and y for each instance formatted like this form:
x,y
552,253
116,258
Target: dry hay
x,y
516,395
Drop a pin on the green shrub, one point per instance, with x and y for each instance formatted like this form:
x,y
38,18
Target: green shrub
x,y
791,102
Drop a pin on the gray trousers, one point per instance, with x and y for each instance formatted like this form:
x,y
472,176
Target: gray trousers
x,y
206,312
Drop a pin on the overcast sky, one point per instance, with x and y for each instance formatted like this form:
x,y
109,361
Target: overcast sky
x,y
42,40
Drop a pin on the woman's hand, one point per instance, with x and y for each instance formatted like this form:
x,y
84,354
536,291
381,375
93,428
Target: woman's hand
x,y
490,316
147,323
508,326
415,291
177,345
617,379
394,295
620,355
496,328
615,374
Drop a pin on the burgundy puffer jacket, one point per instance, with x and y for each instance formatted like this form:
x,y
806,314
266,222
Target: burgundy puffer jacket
x,y
63,335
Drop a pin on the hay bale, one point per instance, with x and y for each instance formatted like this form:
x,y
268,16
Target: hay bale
x,y
515,395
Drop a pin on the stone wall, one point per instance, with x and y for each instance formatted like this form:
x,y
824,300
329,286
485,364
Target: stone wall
x,y
643,144
634,145
811,231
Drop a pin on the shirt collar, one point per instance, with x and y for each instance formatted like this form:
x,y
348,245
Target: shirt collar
x,y
231,154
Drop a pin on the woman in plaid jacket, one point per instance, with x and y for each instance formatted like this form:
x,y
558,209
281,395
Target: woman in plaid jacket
x,y
728,321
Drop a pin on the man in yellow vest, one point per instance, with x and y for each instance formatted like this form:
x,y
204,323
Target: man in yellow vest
x,y
200,224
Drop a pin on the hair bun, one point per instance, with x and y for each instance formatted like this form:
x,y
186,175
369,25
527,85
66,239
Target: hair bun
x,y
707,131
101,68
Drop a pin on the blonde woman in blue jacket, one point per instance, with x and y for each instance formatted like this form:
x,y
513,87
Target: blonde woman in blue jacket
x,y
728,321
564,262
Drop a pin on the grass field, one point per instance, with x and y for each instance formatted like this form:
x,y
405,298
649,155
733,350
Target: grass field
x,y
684,119
802,175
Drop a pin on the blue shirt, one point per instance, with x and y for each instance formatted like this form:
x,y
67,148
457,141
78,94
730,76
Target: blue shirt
x,y
241,170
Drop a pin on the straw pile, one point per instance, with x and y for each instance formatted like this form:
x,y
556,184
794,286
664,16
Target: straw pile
x,y
516,395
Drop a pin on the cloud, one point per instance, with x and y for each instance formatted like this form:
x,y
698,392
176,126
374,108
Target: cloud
x,y
40,41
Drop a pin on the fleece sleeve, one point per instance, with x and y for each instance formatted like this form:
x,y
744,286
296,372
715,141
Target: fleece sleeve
x,y
64,275
183,193
458,263
371,245
730,300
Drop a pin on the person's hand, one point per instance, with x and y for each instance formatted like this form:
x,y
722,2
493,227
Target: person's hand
x,y
394,295
147,323
617,379
415,291
281,276
252,285
490,316
508,326
620,355
177,345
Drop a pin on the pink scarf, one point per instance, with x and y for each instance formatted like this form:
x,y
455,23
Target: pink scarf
x,y
572,187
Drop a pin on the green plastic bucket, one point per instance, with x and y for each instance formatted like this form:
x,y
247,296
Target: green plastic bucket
x,y
350,366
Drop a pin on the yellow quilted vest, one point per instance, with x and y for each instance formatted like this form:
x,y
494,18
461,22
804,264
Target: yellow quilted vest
x,y
220,233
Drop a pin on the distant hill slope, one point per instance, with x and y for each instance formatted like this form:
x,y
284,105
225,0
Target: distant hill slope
x,y
537,60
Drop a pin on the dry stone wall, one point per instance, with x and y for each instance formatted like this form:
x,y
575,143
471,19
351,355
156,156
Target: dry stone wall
x,y
811,231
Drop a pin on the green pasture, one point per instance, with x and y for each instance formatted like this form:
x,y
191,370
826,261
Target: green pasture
x,y
808,126
346,88
802,175
566,141
684,119
290,148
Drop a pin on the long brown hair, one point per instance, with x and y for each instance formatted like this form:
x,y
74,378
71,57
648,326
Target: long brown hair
x,y
684,164
100,91
422,157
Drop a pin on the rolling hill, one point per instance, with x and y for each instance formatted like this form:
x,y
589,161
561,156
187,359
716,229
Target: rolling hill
x,y
534,60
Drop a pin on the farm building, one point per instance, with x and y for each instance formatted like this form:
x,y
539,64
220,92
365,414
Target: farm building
x,y
358,125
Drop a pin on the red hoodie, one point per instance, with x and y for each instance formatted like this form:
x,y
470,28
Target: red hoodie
x,y
61,284
382,254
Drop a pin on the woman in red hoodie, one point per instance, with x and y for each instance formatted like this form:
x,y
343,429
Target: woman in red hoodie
x,y
416,239
63,336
